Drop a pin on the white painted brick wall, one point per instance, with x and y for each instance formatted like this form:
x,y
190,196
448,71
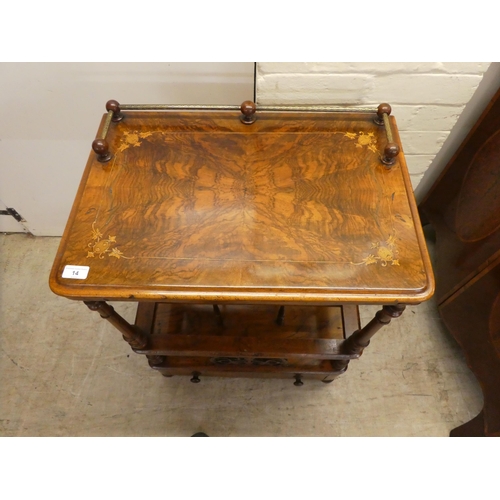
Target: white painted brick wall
x,y
426,98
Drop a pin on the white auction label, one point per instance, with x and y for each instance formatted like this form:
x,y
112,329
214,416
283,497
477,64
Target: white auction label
x,y
75,272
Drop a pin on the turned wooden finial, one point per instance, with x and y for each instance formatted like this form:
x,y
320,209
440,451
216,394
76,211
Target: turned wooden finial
x,y
114,106
101,149
248,109
391,150
383,108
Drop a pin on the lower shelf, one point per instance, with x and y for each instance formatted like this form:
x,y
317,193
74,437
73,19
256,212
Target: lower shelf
x,y
247,341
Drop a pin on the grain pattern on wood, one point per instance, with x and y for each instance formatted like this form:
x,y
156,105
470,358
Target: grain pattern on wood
x,y
200,207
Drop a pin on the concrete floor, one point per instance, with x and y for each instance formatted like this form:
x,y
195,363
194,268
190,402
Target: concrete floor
x,y
66,372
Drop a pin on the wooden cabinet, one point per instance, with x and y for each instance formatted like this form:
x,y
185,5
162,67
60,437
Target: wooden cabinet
x,y
248,236
464,208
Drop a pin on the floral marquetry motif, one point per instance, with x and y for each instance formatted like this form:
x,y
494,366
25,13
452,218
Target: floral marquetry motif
x,y
363,140
101,247
383,254
132,139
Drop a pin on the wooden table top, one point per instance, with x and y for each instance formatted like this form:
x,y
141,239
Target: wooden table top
x,y
196,206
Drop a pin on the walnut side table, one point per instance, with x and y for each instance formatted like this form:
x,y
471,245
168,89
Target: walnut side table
x,y
247,235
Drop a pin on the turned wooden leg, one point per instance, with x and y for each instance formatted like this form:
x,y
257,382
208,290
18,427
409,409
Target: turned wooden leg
x,y
136,338
359,340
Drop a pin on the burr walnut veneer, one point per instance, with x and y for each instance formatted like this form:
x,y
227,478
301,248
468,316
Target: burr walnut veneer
x,y
248,240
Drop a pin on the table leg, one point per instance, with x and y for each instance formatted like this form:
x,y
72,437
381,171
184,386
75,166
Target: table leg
x,y
134,336
359,340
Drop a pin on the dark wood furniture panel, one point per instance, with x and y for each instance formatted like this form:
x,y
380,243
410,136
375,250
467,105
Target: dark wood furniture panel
x,y
474,312
464,208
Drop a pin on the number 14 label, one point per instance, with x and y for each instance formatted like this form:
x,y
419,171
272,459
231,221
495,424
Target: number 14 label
x,y
75,272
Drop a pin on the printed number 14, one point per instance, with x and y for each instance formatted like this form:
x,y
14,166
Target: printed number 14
x,y
75,273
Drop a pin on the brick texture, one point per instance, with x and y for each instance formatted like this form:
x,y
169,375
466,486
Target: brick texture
x,y
430,117
427,98
374,67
